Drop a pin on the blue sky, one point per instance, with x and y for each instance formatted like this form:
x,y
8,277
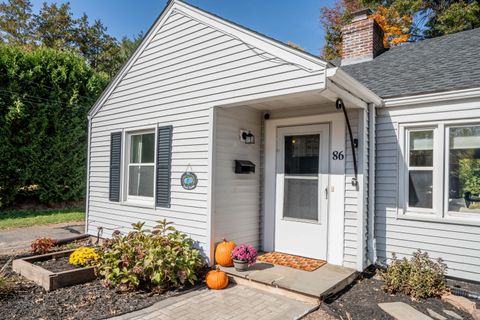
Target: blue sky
x,y
286,20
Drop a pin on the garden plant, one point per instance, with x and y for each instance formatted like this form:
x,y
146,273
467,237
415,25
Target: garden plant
x,y
420,277
159,259
42,245
83,256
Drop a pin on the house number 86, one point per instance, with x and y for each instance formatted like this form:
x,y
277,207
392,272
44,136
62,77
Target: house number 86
x,y
338,155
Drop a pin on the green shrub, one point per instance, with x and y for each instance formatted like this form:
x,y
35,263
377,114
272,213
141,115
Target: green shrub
x,y
158,259
45,96
5,282
420,277
4,285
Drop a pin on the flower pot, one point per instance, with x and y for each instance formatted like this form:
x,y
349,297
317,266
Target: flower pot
x,y
240,265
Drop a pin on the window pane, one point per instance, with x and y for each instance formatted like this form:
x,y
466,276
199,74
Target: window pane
x,y
421,148
464,169
140,181
301,199
420,189
142,148
301,154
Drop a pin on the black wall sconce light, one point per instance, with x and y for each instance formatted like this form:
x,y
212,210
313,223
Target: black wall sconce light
x,y
247,137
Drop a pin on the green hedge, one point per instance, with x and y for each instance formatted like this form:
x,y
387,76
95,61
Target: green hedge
x,y
45,96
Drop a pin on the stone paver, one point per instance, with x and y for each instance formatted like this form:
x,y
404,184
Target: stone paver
x,y
235,302
435,315
402,311
453,314
14,240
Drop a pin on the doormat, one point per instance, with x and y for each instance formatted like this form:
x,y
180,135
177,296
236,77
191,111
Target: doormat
x,y
288,260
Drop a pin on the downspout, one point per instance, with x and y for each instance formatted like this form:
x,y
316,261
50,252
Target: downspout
x,y
372,245
87,199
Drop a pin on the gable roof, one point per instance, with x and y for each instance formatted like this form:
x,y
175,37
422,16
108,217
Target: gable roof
x,y
253,39
450,62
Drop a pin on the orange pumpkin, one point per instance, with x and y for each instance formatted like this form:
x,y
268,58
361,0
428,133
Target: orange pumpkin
x,y
217,279
223,253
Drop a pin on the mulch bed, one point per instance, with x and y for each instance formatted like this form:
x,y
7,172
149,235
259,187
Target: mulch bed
x,y
360,301
56,265
90,300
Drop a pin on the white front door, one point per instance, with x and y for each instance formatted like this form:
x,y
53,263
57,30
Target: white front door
x,y
302,175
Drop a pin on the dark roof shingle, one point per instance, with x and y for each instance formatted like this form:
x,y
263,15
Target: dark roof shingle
x,y
440,64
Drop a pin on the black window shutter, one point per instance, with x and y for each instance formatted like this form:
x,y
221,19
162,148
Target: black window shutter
x,y
164,160
115,165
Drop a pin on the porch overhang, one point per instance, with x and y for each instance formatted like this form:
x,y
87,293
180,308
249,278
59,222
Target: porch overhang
x,y
336,84
313,103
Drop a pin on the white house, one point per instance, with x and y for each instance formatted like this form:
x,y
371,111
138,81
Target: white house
x,y
231,134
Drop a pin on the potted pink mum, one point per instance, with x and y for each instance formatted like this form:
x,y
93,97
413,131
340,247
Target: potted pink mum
x,y
244,256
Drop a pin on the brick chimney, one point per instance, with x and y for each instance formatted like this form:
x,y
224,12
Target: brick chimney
x,y
362,39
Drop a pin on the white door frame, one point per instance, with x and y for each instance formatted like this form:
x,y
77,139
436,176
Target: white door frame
x,y
307,238
336,203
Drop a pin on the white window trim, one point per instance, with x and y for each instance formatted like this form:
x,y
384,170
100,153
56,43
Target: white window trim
x,y
440,212
127,199
454,214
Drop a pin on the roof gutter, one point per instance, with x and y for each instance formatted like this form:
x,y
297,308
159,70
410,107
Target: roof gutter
x,y
356,88
414,100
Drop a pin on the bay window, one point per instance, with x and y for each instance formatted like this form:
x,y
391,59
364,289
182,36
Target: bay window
x,y
441,171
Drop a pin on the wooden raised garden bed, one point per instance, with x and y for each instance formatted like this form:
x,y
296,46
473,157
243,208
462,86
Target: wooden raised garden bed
x,y
43,270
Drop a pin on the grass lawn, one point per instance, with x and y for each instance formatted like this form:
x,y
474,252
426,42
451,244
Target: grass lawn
x,y
24,218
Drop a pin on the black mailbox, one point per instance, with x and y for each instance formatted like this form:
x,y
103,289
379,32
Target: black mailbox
x,y
244,166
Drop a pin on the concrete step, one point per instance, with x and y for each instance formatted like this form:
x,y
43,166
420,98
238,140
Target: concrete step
x,y
402,311
324,281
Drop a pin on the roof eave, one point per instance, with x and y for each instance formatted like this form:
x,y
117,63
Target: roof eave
x,y
264,43
337,75
434,97
126,66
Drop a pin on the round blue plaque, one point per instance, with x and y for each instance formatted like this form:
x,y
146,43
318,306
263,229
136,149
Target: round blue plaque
x,y
189,180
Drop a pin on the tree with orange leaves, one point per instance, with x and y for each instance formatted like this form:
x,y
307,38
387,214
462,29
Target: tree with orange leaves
x,y
396,27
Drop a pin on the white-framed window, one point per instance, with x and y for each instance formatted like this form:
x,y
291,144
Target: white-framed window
x,y
140,166
440,171
462,170
420,172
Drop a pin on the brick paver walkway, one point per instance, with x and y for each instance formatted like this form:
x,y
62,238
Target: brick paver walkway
x,y
235,302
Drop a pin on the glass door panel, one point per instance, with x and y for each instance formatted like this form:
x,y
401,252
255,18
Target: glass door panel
x,y
301,177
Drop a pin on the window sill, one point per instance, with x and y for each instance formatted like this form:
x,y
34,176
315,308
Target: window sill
x,y
430,217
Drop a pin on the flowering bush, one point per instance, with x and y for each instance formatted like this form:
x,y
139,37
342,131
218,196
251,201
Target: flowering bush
x,y
245,253
83,256
420,277
158,259
42,245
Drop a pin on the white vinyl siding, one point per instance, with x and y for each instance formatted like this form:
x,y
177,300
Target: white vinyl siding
x,y
458,244
237,205
352,214
186,69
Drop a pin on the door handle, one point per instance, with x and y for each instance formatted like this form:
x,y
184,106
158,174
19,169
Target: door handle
x,y
326,193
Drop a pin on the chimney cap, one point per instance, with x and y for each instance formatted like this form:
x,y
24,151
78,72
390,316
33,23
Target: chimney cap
x,y
361,14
